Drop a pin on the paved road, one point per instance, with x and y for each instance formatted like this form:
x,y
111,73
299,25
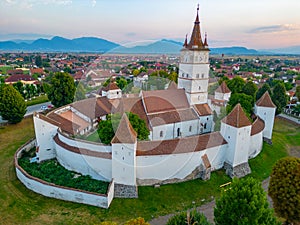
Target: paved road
x,y
290,118
36,108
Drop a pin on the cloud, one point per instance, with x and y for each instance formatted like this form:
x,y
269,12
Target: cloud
x,y
274,28
30,3
94,2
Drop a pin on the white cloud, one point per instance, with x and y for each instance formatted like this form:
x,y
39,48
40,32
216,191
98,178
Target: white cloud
x,y
94,2
30,3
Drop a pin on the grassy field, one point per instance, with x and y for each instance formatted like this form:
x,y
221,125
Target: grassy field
x,y
3,69
22,206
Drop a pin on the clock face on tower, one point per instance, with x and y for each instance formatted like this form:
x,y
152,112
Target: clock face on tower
x,y
202,57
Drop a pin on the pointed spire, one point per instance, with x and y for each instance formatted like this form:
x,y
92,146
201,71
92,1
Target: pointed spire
x,y
205,40
197,17
196,40
185,42
125,132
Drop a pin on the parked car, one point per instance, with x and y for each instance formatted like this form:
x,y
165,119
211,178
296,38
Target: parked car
x,y
43,107
50,106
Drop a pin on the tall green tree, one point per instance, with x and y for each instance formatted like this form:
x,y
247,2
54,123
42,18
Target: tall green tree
x,y
80,92
262,90
246,102
284,189
19,87
243,203
236,84
250,88
38,61
188,218
298,93
12,104
279,97
62,89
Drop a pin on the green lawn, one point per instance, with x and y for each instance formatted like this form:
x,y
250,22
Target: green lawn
x,y
22,206
37,100
3,69
94,137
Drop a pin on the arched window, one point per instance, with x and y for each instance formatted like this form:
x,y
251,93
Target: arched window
x,y
161,134
190,129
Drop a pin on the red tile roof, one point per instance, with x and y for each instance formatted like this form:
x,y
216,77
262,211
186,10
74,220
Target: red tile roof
x,y
180,145
172,85
164,100
111,86
223,88
125,132
203,109
174,116
19,77
134,105
205,161
265,101
237,117
258,126
36,70
93,107
64,124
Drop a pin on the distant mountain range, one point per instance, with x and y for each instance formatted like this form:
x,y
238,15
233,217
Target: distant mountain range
x,y
92,44
60,44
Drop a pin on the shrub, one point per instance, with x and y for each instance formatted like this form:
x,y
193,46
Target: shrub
x,y
188,218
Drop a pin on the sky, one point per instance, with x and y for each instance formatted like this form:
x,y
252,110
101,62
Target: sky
x,y
258,24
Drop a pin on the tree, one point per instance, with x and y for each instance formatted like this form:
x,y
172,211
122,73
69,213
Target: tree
x,y
262,90
107,128
250,88
243,203
137,221
246,102
298,93
12,104
38,61
19,87
236,84
279,97
284,189
80,92
188,218
139,126
62,89
121,82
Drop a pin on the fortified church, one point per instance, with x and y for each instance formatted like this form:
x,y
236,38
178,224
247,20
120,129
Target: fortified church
x,y
181,146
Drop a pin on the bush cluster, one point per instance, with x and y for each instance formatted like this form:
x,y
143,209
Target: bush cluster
x,y
51,171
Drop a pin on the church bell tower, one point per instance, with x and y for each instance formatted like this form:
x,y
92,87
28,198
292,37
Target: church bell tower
x,y
194,66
